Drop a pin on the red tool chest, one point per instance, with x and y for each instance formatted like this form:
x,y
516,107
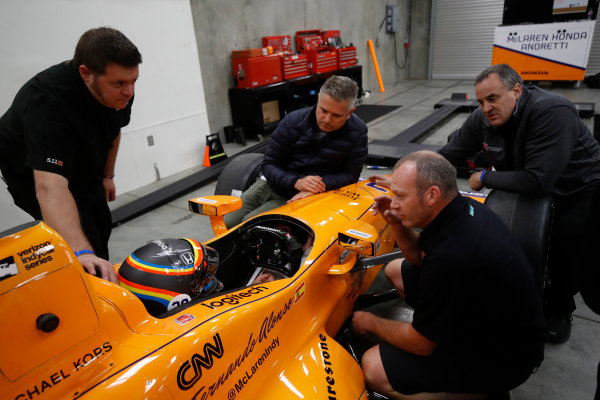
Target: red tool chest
x,y
308,40
331,38
249,72
322,61
280,44
322,58
346,57
294,66
247,53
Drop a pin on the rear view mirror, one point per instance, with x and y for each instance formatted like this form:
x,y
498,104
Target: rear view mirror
x,y
358,237
215,207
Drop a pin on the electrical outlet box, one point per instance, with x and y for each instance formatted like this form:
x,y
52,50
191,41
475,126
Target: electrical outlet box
x,y
392,19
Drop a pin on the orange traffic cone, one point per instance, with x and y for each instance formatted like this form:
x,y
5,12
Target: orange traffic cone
x,y
214,152
206,162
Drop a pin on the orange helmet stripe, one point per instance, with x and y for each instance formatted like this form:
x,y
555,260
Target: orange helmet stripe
x,y
147,290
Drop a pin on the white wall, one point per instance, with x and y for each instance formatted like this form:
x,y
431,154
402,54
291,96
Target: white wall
x,y
169,102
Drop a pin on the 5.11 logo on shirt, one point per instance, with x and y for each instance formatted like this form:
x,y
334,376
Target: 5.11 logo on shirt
x,y
54,161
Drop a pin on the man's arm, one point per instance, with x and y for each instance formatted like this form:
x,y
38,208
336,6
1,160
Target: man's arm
x,y
110,191
548,149
60,212
406,238
400,334
276,158
466,142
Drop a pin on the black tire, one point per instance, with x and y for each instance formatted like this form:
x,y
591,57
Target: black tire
x,y
239,174
529,219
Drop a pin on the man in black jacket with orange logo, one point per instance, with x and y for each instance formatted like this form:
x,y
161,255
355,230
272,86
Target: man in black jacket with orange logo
x,y
535,142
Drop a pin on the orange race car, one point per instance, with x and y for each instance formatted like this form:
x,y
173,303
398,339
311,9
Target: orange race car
x,y
270,297
262,327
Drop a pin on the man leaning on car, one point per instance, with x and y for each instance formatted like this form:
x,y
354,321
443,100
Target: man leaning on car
x,y
537,144
59,141
478,325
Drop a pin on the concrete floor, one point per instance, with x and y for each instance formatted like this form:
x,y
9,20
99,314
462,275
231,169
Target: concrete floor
x,y
569,370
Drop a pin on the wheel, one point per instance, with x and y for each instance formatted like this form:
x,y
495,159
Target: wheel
x,y
237,176
529,219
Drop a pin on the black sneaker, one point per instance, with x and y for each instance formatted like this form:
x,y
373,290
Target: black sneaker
x,y
559,328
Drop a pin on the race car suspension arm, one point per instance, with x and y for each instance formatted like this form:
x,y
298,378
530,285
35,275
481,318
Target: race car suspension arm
x,y
368,262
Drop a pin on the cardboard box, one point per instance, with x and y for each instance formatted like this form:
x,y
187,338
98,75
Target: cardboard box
x,y
270,110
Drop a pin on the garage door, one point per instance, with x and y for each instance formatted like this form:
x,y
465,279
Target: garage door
x,y
593,66
463,36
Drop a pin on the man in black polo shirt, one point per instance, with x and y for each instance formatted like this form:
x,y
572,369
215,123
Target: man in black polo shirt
x,y
59,142
478,324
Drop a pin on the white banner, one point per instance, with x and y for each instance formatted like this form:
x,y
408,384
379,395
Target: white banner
x,y
566,43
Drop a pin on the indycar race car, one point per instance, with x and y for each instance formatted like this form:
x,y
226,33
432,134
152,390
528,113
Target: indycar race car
x,y
68,334
266,322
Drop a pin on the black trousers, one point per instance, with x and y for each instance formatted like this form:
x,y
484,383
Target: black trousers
x,y
588,272
582,270
597,396
575,233
94,213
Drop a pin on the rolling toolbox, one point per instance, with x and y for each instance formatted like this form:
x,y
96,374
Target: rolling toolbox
x,y
280,44
346,57
321,57
308,40
294,66
250,72
332,38
322,61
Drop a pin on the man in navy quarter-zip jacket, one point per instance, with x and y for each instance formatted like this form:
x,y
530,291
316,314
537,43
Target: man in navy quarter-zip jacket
x,y
312,150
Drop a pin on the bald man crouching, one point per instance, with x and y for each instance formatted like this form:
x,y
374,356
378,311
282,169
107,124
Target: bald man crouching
x,y
478,326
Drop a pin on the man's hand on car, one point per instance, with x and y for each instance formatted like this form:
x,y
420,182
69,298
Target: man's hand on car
x,y
310,183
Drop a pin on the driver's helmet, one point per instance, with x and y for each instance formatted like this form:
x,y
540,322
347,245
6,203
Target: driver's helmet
x,y
167,273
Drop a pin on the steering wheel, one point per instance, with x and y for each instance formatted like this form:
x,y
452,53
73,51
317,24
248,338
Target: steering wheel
x,y
273,248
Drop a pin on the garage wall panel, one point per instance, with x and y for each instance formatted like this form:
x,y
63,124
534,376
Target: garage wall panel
x,y
169,104
463,36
